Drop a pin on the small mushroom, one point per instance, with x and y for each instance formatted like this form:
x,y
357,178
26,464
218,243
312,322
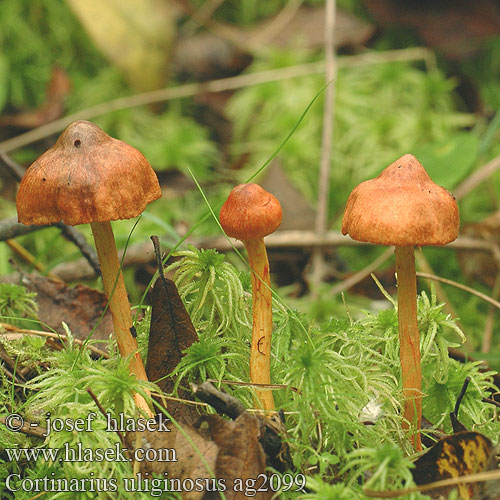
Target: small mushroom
x,y
89,177
404,208
249,214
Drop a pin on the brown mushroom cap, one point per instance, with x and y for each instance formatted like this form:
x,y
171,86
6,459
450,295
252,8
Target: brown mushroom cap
x,y
250,212
87,176
401,207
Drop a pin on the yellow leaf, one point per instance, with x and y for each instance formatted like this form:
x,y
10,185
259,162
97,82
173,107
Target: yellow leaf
x,y
135,35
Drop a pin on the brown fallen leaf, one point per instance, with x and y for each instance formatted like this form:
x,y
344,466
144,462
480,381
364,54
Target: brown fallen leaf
x,y
307,26
226,50
455,28
241,460
184,454
171,332
58,88
233,461
80,307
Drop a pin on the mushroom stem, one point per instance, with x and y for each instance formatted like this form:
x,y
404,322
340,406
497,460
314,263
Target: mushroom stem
x,y
260,351
118,302
409,342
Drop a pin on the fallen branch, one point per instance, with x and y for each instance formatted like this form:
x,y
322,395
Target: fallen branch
x,y
141,253
481,295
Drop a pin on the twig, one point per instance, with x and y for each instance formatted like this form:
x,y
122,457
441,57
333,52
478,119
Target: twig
x,y
461,287
69,232
425,267
200,17
10,229
223,84
13,166
305,239
250,384
140,253
77,238
266,34
477,177
103,411
466,479
489,323
361,275
28,257
22,331
223,403
28,429
326,141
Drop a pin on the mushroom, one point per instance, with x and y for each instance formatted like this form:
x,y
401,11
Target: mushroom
x,y
404,208
249,214
89,177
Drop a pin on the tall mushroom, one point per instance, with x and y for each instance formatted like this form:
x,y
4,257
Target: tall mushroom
x,y
404,208
249,214
89,177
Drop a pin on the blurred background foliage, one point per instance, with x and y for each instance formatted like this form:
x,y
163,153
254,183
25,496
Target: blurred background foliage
x,y
442,107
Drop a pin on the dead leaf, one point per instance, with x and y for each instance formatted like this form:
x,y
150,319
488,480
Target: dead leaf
x,y
463,453
195,457
226,50
231,461
135,35
171,332
80,307
455,28
241,457
53,108
307,27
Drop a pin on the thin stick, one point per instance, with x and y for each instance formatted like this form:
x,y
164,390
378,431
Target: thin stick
x,y
265,34
29,429
326,141
477,177
192,89
361,275
424,265
140,253
103,411
200,17
30,259
461,287
69,232
13,166
57,336
454,481
489,323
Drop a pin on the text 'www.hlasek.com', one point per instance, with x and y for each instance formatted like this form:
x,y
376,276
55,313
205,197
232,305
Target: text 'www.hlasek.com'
x,y
139,482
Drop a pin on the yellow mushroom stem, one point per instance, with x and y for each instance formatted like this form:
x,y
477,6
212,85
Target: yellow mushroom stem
x,y
260,351
409,342
118,303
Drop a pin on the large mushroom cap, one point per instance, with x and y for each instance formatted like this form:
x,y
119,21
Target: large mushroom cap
x,y
250,212
87,176
401,207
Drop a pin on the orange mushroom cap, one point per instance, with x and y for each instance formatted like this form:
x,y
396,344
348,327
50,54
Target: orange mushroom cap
x,y
87,176
250,212
401,207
